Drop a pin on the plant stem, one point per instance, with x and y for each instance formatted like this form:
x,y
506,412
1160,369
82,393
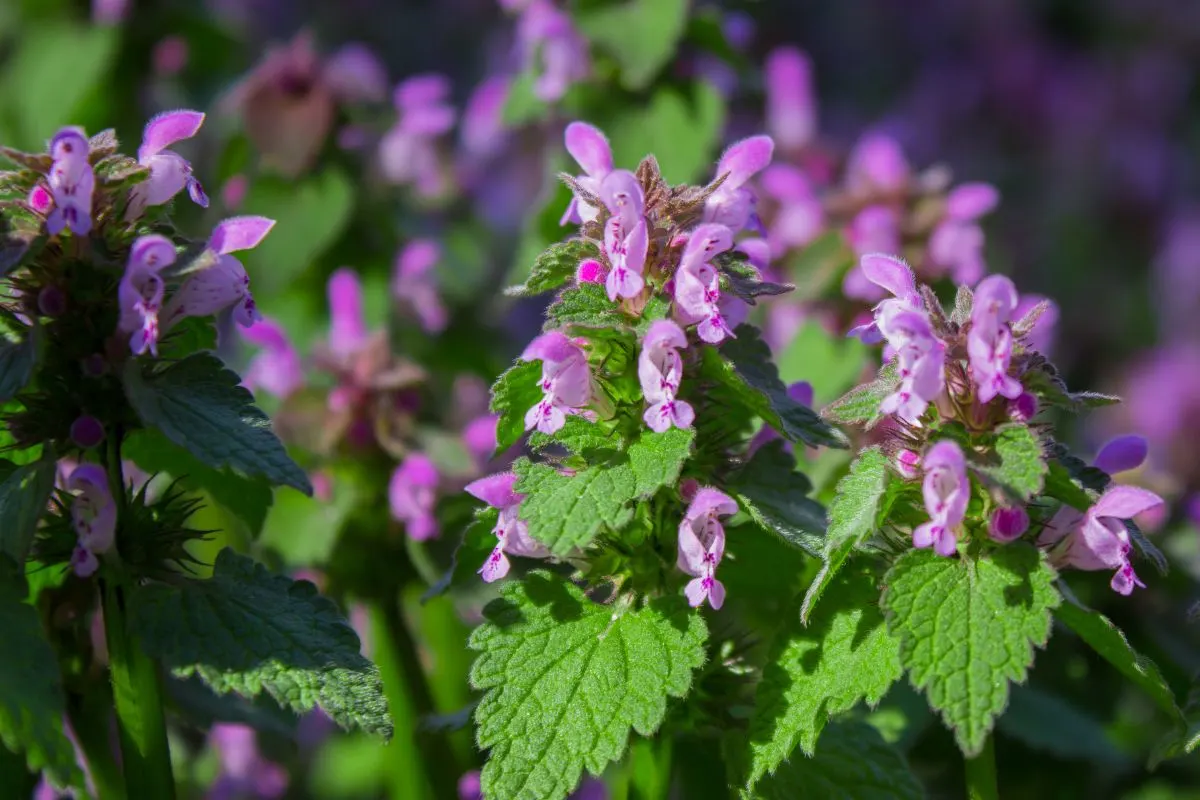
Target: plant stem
x,y
406,773
981,774
91,717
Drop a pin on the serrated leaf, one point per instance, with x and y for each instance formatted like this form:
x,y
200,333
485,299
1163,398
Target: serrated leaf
x,y
817,671
968,628
743,364
853,518
742,279
640,34
585,305
24,493
656,459
567,511
861,405
248,498
246,630
555,267
1062,487
1049,723
117,172
1146,548
32,703
200,406
578,435
17,359
513,394
1108,640
565,679
852,762
773,493
1018,464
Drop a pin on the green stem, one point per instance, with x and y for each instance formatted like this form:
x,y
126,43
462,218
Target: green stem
x,y
406,772
91,715
981,774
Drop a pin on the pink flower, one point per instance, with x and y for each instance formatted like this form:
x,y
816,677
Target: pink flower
x,y
512,534
348,332
660,370
551,46
170,172
732,204
702,545
956,243
1007,524
876,165
921,358
1098,539
414,283
697,284
589,147
946,490
94,515
276,368
140,292
565,382
72,183
895,278
245,772
802,393
590,271
479,437
875,229
225,284
990,341
408,151
625,237
791,103
799,217
908,463
412,493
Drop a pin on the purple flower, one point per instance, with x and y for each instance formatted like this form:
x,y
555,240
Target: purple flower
x,y
732,204
1099,539
875,229
702,544
470,787
40,200
908,463
566,382
94,516
225,284
990,341
799,217
876,165
512,534
170,172
276,369
552,47
414,283
625,239
591,271
87,431
660,370
1122,453
479,437
481,132
244,772
71,183
697,284
1007,524
140,292
791,104
408,151
956,243
412,493
348,332
356,75
921,358
946,490
589,147
895,278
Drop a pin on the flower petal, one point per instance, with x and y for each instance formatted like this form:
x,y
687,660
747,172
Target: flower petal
x,y
167,128
588,146
239,233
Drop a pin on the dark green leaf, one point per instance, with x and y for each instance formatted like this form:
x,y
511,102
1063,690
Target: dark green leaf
x,y
770,489
513,394
24,493
585,305
640,34
1017,462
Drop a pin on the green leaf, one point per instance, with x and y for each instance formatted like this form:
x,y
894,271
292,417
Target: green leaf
x,y
1019,463
1185,736
817,671
1048,723
742,279
819,266
1062,487
555,267
522,105
860,405
247,498
772,492
586,306
567,511
24,493
969,627
513,394
304,530
642,35
1107,639
32,703
246,630
852,762
17,359
310,216
682,130
565,679
578,435
198,405
831,364
744,365
853,517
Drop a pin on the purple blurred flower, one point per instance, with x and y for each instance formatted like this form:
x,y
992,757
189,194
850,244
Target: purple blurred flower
x,y
412,493
109,12
482,133
799,216
946,490
414,283
702,545
140,292
170,172
87,431
245,774
956,244
276,368
71,183
408,152
660,371
552,48
732,204
877,165
356,75
225,284
875,229
791,102
697,284
512,534
479,437
470,787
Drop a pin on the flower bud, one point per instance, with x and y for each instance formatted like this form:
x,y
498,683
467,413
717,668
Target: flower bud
x,y
87,431
1024,408
52,302
1007,524
688,488
908,463
590,271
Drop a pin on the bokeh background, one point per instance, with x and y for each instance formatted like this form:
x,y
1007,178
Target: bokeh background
x,y
1085,117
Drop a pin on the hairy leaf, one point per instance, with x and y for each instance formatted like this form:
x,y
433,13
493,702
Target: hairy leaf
x,y
813,672
554,268
513,394
860,405
585,305
246,630
1019,466
198,405
853,518
742,279
968,628
773,493
565,679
